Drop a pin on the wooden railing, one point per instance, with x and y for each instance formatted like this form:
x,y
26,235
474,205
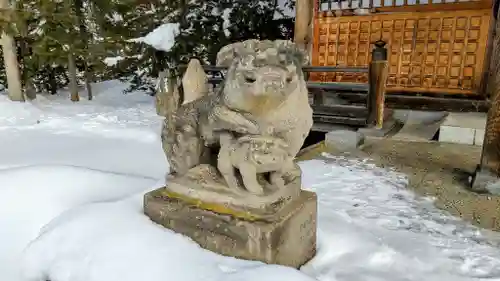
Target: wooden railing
x,y
326,105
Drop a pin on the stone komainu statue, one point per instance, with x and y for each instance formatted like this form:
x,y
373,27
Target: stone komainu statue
x,y
256,121
233,186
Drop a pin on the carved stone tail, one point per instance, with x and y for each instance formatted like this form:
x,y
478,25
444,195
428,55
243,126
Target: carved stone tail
x,y
167,97
194,82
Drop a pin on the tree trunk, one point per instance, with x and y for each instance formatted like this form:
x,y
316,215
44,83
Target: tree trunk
x,y
97,19
73,86
78,6
29,88
52,82
303,17
494,61
88,85
11,63
488,171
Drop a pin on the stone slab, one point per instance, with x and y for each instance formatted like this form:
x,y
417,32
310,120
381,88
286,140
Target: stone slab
x,y
419,116
417,133
372,132
473,120
389,127
344,139
324,127
451,134
479,137
419,126
463,128
288,238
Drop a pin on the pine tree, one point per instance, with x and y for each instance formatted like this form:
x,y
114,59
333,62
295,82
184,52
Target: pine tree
x,y
205,27
9,51
133,19
53,28
48,32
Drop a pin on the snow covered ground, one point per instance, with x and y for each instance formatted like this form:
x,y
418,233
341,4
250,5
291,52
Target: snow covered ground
x,y
72,178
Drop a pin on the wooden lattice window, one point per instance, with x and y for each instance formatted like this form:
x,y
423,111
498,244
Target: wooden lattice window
x,y
427,51
336,5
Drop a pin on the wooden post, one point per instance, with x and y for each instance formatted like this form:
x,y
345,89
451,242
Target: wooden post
x,y
377,78
488,170
303,19
494,60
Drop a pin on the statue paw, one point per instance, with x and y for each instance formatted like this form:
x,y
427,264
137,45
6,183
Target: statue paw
x,y
277,180
255,189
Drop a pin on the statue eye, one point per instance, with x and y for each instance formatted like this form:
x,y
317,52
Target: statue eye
x,y
249,78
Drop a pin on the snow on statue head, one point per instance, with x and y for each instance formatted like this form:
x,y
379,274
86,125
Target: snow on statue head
x,y
261,74
252,47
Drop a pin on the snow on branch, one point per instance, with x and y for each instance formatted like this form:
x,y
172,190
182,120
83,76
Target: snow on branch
x,y
284,10
162,38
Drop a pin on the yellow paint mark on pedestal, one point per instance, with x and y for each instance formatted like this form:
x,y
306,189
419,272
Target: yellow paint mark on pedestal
x,y
213,207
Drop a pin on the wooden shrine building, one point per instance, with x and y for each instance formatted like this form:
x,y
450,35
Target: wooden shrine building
x,y
441,55
439,52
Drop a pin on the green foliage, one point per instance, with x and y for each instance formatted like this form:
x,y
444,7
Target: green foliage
x,y
205,27
46,30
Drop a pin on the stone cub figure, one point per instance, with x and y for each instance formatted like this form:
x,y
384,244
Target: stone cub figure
x,y
253,156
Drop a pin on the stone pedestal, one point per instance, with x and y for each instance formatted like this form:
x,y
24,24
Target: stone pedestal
x,y
287,238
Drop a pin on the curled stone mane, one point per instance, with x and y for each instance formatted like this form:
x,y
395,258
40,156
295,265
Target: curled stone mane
x,y
256,48
262,75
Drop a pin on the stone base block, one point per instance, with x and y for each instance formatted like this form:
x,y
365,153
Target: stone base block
x,y
204,186
287,238
344,139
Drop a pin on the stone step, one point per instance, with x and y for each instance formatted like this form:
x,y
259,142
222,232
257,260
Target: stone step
x,y
463,128
418,125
